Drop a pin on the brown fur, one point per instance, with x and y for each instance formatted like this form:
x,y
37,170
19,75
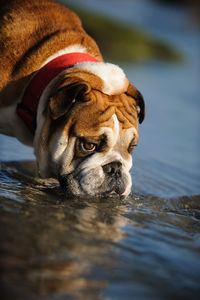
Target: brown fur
x,y
80,93
88,115
27,41
32,31
87,104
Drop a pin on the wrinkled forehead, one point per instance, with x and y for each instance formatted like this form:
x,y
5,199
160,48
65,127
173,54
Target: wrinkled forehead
x,y
107,111
116,118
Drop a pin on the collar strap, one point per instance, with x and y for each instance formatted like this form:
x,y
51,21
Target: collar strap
x,y
27,108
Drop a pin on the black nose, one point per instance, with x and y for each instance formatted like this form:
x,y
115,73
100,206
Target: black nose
x,y
113,169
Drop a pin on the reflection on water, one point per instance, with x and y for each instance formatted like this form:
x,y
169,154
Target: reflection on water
x,y
143,247
53,248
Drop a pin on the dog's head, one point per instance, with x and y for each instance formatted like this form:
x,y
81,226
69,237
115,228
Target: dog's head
x,y
89,130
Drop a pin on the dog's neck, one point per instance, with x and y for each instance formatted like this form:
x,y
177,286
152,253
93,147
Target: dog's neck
x,y
27,108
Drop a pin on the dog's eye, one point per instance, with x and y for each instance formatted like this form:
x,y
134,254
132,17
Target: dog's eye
x,y
88,147
131,148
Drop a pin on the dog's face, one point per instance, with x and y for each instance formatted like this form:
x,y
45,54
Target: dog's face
x,y
88,136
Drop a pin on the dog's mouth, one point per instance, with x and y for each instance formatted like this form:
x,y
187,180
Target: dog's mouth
x,y
78,191
114,188
119,193
97,183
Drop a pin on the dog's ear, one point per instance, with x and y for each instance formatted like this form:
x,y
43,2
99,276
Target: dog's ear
x,y
67,94
140,105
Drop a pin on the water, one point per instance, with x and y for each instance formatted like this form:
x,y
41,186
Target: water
x,y
143,247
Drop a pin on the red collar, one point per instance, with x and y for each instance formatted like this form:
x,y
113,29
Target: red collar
x,y
27,108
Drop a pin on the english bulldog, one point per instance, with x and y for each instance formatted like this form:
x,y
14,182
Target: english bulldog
x,y
58,95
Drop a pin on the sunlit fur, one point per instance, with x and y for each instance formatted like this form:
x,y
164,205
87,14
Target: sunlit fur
x,y
110,106
113,116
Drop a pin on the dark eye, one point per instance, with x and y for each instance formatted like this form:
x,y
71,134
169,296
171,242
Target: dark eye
x,y
131,148
88,147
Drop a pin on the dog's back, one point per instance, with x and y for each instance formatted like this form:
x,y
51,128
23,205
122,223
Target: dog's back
x,y
30,32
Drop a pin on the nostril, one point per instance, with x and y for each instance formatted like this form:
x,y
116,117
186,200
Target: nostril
x,y
107,169
111,170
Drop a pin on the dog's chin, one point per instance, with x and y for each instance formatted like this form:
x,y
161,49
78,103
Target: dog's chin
x,y
94,184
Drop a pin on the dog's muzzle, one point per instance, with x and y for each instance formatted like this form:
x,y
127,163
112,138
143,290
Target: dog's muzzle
x,y
107,180
114,178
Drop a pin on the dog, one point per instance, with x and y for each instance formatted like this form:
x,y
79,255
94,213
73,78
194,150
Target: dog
x,y
58,95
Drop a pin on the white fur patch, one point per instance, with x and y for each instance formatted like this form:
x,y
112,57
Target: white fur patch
x,y
113,77
116,125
